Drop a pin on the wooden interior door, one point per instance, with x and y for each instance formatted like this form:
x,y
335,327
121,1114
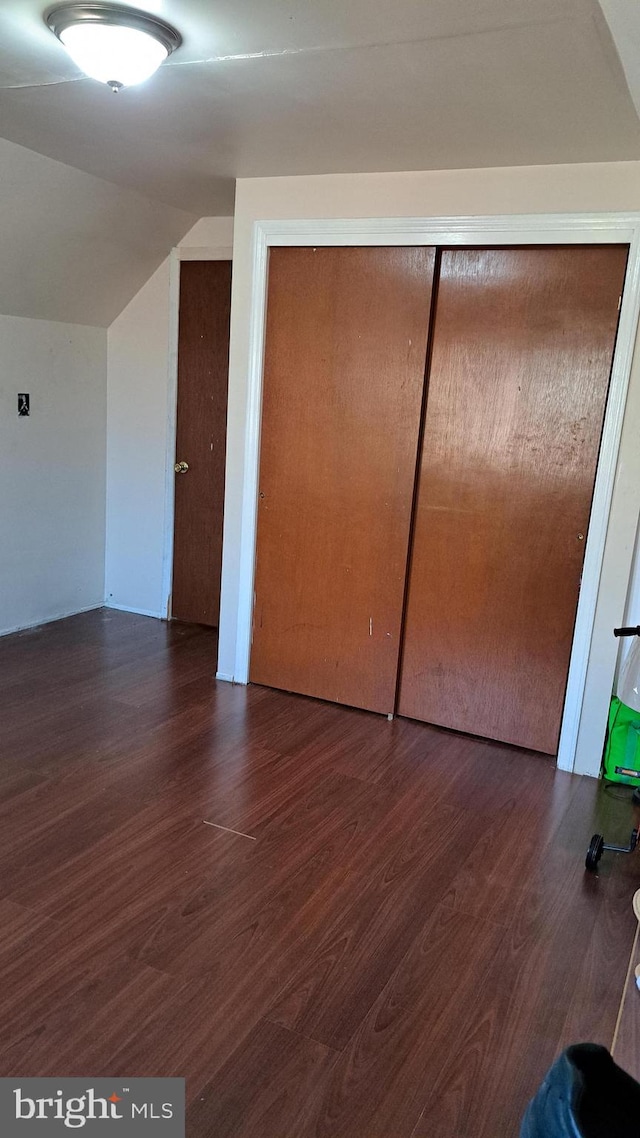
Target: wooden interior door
x,y
343,380
203,373
521,357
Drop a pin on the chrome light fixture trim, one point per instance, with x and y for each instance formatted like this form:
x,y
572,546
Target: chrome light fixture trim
x,y
65,15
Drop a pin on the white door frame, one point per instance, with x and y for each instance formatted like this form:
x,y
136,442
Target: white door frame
x,y
575,752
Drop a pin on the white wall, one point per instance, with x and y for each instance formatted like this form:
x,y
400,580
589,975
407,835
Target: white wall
x,y
610,187
52,511
137,349
141,428
632,611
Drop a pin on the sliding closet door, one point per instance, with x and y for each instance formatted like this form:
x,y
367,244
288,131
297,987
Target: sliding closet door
x,y
343,379
522,348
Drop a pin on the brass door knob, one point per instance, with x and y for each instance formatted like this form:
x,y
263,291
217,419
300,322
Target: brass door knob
x,y
181,467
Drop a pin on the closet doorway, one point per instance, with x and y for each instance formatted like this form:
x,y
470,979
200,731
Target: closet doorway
x,y
608,554
430,434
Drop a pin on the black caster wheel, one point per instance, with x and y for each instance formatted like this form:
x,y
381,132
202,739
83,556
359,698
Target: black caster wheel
x,y
594,853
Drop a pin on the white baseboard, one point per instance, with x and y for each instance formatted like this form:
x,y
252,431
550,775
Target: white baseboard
x,y
50,619
224,676
137,612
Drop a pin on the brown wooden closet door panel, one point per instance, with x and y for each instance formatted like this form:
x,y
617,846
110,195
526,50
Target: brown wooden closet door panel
x,y
203,375
521,357
343,378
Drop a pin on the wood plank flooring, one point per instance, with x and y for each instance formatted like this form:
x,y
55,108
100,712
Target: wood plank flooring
x,y
401,950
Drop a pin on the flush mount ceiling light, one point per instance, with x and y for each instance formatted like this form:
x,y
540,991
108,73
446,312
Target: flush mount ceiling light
x,y
118,46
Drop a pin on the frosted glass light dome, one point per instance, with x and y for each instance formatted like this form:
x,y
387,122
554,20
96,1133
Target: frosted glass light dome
x,y
117,46
118,56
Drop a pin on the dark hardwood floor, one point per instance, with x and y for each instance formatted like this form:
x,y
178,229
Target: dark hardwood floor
x,y
397,948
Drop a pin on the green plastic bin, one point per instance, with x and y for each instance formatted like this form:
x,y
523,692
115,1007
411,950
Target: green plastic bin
x,y
622,749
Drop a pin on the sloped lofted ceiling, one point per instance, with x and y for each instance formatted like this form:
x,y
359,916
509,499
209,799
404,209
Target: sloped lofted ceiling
x,y
267,87
623,18
75,247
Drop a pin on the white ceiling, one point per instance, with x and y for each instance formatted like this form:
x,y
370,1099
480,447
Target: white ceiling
x,y
266,87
